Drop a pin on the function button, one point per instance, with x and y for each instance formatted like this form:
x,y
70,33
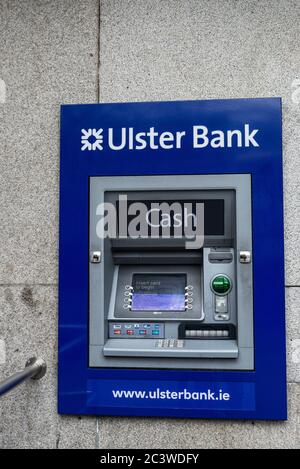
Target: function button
x,y
146,326
127,293
156,326
136,326
117,332
117,326
127,300
189,287
128,326
155,332
126,306
189,300
128,287
142,332
189,294
189,306
130,332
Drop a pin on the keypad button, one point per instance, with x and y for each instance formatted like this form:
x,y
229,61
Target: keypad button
x,y
189,294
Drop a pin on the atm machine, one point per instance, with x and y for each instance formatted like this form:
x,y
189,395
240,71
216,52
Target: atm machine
x,y
171,277
158,301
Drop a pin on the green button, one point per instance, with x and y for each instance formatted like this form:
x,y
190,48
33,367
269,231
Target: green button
x,y
221,284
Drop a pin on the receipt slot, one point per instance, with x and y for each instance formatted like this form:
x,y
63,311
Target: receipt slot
x,y
171,220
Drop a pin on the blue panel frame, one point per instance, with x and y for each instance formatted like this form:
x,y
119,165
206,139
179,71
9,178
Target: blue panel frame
x,y
265,388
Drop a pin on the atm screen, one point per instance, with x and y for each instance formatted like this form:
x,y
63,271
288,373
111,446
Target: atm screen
x,y
158,292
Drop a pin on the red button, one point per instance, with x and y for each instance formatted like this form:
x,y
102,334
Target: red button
x,y
117,332
129,332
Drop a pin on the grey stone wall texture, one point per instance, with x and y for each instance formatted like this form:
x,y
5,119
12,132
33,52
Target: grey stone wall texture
x,y
84,51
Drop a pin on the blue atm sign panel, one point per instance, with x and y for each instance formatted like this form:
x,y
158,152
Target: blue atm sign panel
x,y
170,214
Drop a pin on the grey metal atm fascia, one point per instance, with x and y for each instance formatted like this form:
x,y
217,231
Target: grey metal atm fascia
x,y
99,301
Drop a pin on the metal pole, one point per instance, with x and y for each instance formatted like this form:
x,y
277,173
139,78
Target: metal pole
x,y
35,368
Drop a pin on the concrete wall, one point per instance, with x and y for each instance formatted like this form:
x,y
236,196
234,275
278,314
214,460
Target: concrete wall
x,y
71,51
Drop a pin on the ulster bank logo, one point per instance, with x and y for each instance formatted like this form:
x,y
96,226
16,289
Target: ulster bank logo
x,y
198,137
91,139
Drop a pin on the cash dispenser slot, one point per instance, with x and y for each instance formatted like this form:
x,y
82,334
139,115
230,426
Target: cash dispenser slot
x,y
156,257
207,332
